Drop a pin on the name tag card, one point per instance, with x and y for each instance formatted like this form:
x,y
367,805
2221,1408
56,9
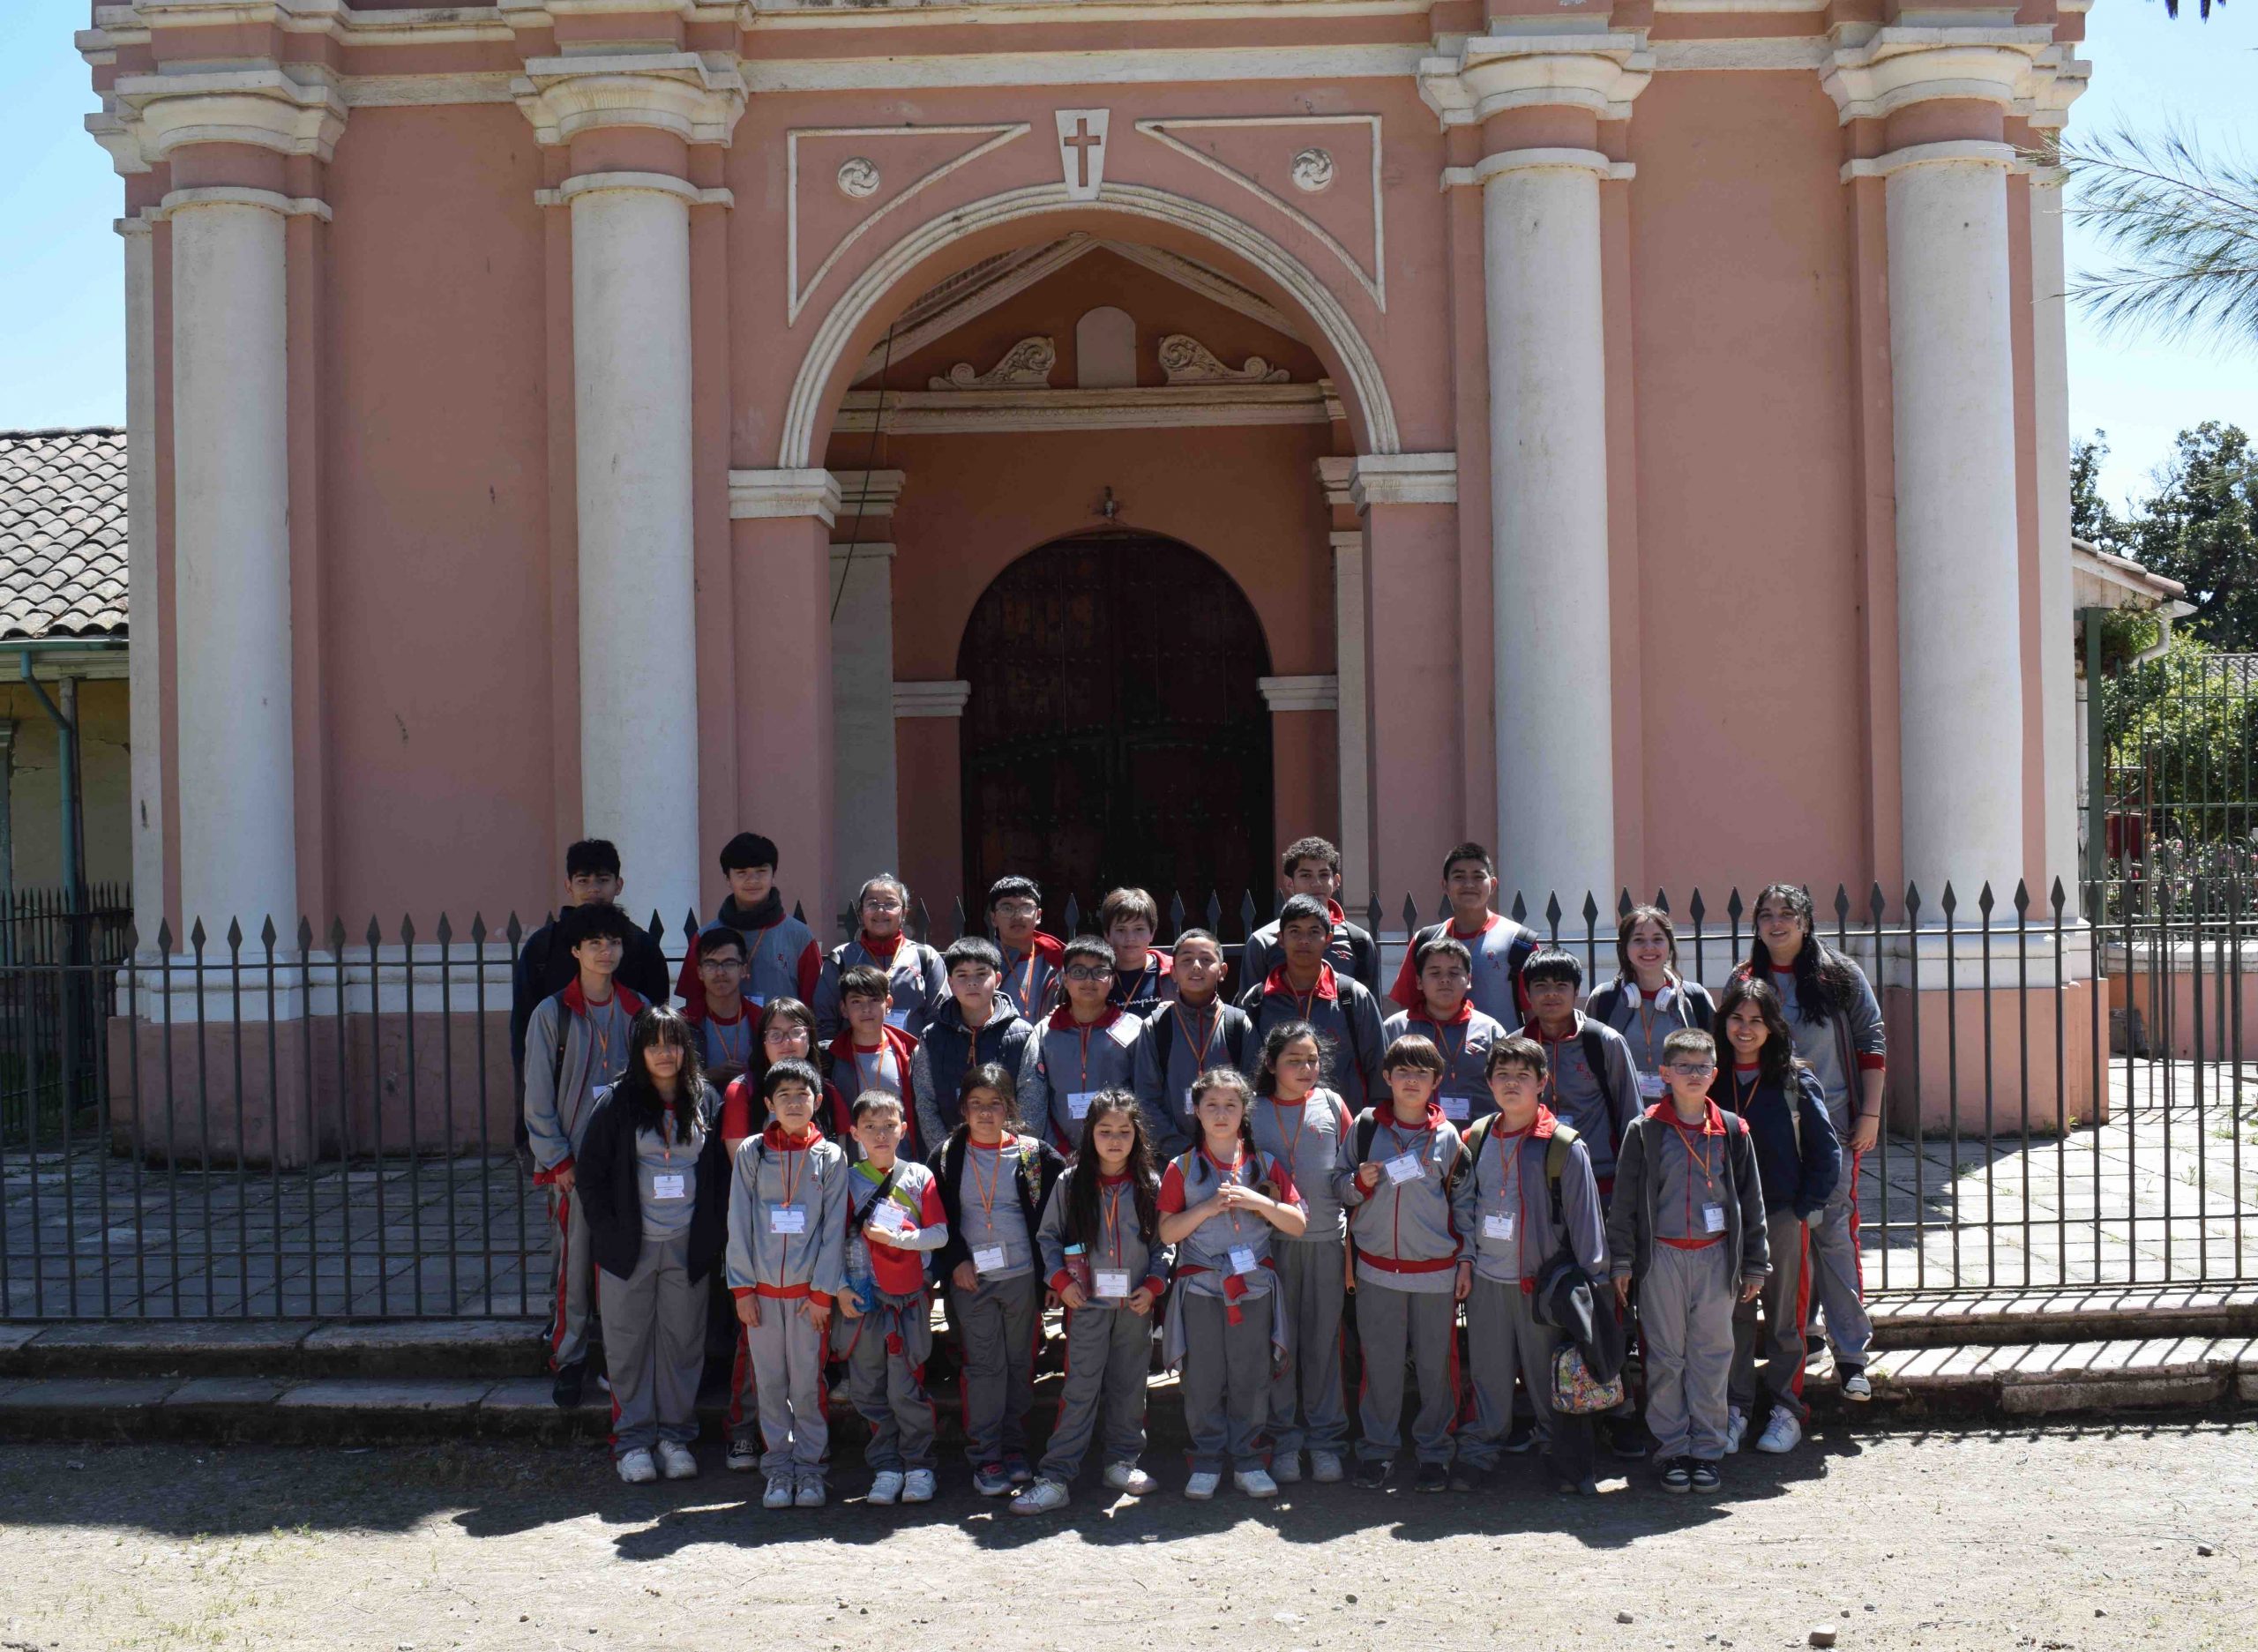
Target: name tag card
x,y
1125,1031
788,1219
1113,1283
890,1217
1078,1103
1497,1225
1406,1167
1243,1260
664,1186
1457,1108
1651,1086
989,1259
1712,1218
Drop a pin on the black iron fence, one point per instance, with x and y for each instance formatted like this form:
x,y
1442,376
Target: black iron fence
x,y
54,945
299,1124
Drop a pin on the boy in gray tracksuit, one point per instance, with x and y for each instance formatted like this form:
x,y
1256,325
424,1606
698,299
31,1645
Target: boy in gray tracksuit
x,y
576,1044
1687,1225
1184,1038
786,1266
1447,1019
1083,1047
1527,1195
1396,1175
1305,987
1591,1081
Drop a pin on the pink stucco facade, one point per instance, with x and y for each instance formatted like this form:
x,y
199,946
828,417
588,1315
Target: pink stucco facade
x,y
439,175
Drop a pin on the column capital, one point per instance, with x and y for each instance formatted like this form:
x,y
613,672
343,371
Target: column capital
x,y
1475,76
1404,479
1874,75
146,117
678,92
1335,477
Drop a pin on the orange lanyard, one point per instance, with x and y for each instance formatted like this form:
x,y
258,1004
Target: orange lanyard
x,y
1451,1053
790,1172
1509,1174
1228,1173
600,1029
1739,1096
1306,1006
1301,1120
730,1048
987,1195
1692,1159
872,1077
1111,1216
1646,1025
1200,1053
1027,981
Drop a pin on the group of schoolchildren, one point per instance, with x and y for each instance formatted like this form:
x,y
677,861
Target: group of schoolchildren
x,y
1093,1125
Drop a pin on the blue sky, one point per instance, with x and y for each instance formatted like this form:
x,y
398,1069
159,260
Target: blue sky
x,y
62,360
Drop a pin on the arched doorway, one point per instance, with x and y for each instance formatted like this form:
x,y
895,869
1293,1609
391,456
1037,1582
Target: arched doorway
x,y
1115,732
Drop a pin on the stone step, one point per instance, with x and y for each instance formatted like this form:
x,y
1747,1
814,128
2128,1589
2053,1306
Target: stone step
x,y
460,1349
2075,1314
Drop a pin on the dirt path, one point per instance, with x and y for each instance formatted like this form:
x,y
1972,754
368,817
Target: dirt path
x,y
2085,1538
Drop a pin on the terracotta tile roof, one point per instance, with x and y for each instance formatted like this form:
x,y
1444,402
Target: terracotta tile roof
x,y
62,532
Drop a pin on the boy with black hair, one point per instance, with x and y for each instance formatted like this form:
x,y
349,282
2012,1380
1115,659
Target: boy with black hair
x,y
1183,1040
724,1012
781,960
978,1024
1143,974
1030,957
1447,1019
1303,987
1311,866
1687,1226
914,969
579,1037
545,965
1591,1081
1499,947
1086,1045
870,1053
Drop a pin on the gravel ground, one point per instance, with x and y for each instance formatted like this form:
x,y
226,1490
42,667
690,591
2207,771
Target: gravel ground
x,y
2098,1536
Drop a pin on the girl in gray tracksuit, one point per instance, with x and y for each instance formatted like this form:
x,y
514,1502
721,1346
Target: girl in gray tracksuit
x,y
786,1266
1102,1255
1395,1178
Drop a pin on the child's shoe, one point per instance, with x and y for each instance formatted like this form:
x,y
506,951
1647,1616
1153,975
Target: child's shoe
x,y
1521,1437
636,1466
778,1494
992,1480
1736,1429
1017,1470
1127,1477
567,1387
1325,1467
1255,1483
1433,1477
1371,1473
886,1487
1856,1387
1286,1467
1781,1434
745,1456
918,1486
1464,1476
809,1495
1704,1476
1043,1496
676,1461
1201,1486
1678,1474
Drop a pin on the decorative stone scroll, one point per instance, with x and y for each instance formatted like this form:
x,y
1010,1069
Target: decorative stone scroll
x,y
1186,361
1028,362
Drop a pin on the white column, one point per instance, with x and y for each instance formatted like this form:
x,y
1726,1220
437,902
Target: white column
x,y
1355,843
865,827
639,670
1548,523
231,562
2057,623
144,724
1960,679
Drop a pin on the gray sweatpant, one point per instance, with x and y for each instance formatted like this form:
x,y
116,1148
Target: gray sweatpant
x,y
1837,1277
1686,1304
1504,1340
788,1381
1785,1301
572,1279
1307,1409
1109,1355
999,1322
655,1346
1391,1324
886,1352
1226,1381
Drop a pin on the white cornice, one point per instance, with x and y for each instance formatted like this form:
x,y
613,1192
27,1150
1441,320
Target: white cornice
x,y
874,493
1317,693
762,493
1404,479
930,699
672,92
1896,68
267,108
1333,476
1125,66
1037,409
1966,151
1467,81
236,195
1537,159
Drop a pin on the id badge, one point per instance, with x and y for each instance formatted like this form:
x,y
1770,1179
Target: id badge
x,y
668,1186
1712,1218
1499,1225
788,1219
1458,1109
1243,1260
1078,1103
1406,1167
1651,1086
989,1259
890,1217
1113,1283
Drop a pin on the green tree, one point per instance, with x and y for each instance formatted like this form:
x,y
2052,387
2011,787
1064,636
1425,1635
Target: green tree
x,y
2090,518
2201,527
2182,225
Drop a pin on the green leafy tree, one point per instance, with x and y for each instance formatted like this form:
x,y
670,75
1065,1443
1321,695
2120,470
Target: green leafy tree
x,y
2201,527
2092,519
2181,225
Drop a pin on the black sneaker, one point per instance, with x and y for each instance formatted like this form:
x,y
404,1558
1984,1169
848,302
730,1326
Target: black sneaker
x,y
1627,1436
1678,1474
1523,1436
1433,1477
1464,1476
1704,1476
1371,1473
570,1380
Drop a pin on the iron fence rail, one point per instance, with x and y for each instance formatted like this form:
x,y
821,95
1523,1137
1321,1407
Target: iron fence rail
x,y
302,1125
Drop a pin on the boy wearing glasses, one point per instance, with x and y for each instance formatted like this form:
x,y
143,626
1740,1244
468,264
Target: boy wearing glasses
x,y
1085,1046
1031,958
1687,1226
918,983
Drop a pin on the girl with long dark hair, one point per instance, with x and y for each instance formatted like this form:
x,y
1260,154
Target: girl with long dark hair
x,y
1649,999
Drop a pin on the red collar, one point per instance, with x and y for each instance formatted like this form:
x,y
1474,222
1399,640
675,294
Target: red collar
x,y
890,1037
1541,1130
1490,920
1048,948
1326,987
1535,1029
1465,1015
1112,1181
576,1001
1332,910
1062,1020
1244,1158
1713,1120
893,944
705,1012
779,1142
1434,1117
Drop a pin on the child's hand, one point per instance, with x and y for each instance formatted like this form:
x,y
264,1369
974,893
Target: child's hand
x,y
1074,1296
1623,1291
562,1180
1465,1280
1368,1174
849,1308
1751,1289
966,1277
819,1313
1140,1301
749,1310
899,1238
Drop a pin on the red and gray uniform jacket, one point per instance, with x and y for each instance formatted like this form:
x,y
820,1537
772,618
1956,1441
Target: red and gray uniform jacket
x,y
1464,1041
565,1070
1504,1205
1837,1047
781,960
1350,951
1405,1235
891,1066
1031,978
1500,947
1345,1015
920,984
1067,1062
1597,1098
897,1270
1118,1246
1306,1138
787,1217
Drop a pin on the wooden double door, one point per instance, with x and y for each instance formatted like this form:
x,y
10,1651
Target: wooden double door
x,y
1115,732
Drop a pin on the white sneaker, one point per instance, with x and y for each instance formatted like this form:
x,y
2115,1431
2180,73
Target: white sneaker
x,y
1736,1429
885,1489
1127,1477
1203,1486
636,1466
1286,1467
1255,1483
778,1494
1782,1434
808,1495
918,1486
745,1456
676,1462
1041,1497
1856,1387
1325,1467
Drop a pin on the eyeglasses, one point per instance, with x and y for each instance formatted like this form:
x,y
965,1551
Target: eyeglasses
x,y
1087,972
1017,909
1691,1069
722,962
877,904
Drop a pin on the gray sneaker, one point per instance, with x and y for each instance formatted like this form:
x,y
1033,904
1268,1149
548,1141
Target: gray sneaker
x,y
1043,1496
1326,1468
809,1495
1286,1467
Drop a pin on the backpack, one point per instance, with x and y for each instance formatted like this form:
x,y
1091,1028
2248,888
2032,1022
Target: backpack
x,y
1556,1155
